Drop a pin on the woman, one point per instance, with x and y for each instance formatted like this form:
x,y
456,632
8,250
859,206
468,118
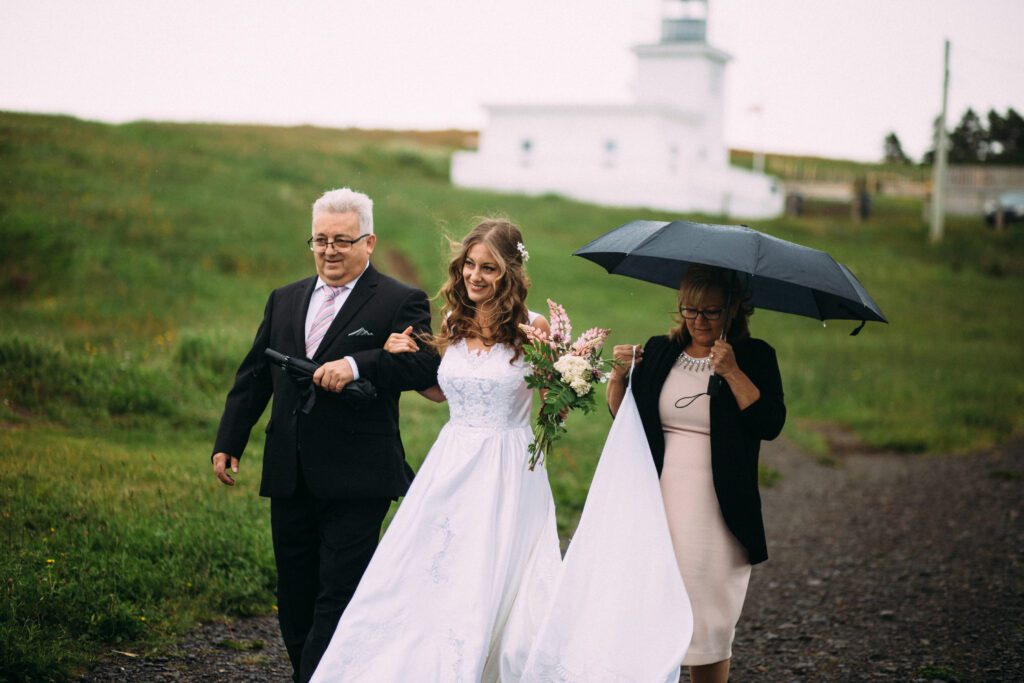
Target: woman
x,y
463,574
706,450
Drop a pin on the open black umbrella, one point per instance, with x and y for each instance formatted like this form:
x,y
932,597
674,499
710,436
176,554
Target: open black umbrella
x,y
779,275
301,371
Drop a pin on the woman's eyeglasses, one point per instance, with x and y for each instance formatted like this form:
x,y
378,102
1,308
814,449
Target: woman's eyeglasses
x,y
709,314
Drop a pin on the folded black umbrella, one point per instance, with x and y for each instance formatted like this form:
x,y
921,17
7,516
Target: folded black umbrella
x,y
301,371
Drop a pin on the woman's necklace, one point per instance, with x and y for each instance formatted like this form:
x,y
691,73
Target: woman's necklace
x,y
694,364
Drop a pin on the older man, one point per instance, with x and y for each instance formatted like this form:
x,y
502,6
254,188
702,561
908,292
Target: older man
x,y
330,473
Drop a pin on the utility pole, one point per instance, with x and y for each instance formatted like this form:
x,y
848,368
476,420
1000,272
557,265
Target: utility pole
x,y
939,169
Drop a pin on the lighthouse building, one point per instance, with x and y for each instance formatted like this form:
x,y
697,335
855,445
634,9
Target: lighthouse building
x,y
665,150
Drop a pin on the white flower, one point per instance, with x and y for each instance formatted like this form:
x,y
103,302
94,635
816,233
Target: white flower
x,y
581,387
575,371
522,251
571,367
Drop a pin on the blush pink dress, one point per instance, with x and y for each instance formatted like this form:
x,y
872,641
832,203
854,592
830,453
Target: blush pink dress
x,y
713,563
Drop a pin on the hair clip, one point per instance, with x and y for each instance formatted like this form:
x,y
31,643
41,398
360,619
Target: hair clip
x,y
521,248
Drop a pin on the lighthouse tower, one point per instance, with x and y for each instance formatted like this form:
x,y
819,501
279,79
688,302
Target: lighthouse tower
x,y
683,72
664,150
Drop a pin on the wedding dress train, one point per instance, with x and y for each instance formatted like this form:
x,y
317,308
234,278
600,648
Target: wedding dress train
x,y
620,611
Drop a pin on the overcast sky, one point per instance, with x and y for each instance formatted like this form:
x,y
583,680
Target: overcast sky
x,y
831,77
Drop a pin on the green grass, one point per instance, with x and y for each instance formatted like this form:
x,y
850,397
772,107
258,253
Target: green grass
x,y
117,539
136,265
939,673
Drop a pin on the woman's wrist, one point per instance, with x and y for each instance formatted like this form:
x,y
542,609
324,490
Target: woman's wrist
x,y
734,375
743,389
734,378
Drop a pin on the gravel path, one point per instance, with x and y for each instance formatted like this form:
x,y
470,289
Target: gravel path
x,y
889,567
883,567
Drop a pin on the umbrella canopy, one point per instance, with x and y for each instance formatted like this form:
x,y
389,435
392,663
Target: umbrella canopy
x,y
780,275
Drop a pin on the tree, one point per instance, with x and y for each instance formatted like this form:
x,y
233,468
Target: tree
x,y
969,143
972,142
893,150
1006,137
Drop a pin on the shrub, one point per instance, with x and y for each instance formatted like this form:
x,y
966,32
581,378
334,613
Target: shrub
x,y
58,383
209,359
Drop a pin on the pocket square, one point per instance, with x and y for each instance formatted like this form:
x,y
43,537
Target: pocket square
x,y
361,332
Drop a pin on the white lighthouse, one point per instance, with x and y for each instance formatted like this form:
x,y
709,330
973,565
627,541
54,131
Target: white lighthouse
x,y
665,150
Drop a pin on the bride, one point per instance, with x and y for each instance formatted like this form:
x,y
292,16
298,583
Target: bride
x,y
464,573
468,583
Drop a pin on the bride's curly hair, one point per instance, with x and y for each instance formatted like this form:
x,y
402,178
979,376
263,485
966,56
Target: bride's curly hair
x,y
458,312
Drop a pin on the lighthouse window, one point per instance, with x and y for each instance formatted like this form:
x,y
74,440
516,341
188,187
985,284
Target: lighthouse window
x,y
611,147
525,148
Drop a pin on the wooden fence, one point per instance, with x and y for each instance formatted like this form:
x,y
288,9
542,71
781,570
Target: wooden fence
x,y
968,186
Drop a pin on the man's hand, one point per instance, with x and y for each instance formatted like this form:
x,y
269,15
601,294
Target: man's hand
x,y
220,467
333,376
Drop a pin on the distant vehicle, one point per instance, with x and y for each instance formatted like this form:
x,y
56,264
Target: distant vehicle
x,y
1013,207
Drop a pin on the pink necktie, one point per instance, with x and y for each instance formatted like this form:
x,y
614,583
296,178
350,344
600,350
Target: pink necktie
x,y
323,319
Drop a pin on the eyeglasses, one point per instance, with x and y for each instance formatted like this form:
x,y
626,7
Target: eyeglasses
x,y
320,244
709,314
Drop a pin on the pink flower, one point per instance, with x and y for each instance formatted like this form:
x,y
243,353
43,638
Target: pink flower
x,y
561,328
589,341
536,334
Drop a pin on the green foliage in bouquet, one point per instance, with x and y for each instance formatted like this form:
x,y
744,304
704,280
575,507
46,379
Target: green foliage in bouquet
x,y
565,372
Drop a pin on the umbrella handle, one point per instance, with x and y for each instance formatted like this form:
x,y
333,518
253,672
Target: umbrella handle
x,y
715,381
714,385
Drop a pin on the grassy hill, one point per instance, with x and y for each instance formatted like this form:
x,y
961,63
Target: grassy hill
x,y
797,167
137,260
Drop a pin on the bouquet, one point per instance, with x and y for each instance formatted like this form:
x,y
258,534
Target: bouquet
x,y
565,372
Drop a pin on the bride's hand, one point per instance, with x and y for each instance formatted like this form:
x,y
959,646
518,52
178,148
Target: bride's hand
x,y
401,343
563,414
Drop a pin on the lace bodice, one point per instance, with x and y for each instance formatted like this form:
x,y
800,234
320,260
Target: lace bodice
x,y
483,389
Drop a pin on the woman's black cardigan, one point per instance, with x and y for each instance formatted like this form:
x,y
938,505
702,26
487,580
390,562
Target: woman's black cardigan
x,y
736,434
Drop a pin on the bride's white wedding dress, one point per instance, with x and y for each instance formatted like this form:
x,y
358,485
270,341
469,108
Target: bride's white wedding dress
x,y
473,540
468,584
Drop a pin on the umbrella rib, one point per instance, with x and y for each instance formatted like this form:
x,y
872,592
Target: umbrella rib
x,y
815,293
757,252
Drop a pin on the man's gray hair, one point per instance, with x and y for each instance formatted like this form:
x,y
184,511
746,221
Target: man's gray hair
x,y
344,200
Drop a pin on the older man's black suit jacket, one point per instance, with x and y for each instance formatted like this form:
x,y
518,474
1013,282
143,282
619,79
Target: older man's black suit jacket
x,y
736,434
344,451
